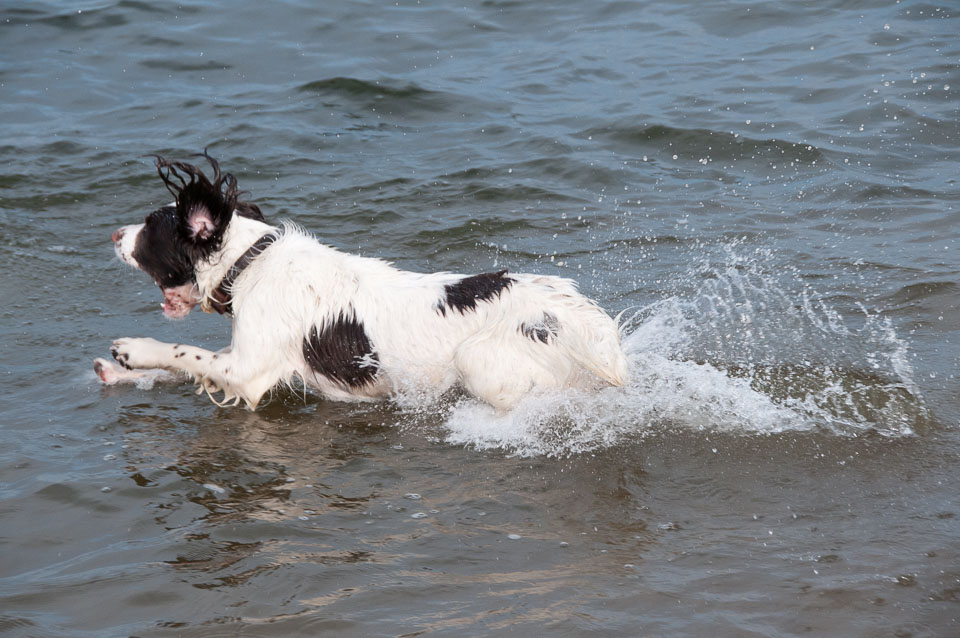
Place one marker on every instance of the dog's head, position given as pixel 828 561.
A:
pixel 173 239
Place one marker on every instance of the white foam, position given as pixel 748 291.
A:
pixel 741 355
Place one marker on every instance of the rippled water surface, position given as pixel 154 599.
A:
pixel 768 192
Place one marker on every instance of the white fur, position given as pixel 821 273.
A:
pixel 125 240
pixel 297 283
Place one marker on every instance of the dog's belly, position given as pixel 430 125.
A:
pixel 383 386
pixel 375 391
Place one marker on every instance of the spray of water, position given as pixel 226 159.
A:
pixel 740 354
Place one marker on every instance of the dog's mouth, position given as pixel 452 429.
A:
pixel 179 300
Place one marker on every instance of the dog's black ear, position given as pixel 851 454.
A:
pixel 204 208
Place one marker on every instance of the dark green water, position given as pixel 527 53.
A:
pixel 767 190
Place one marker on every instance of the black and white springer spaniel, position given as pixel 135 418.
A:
pixel 353 328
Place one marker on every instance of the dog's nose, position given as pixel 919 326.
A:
pixel 117 235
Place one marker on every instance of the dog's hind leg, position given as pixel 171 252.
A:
pixel 501 367
pixel 215 371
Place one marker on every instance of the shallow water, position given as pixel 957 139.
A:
pixel 767 192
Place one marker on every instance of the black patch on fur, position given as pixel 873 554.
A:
pixel 250 211
pixel 160 252
pixel 465 294
pixel 341 351
pixel 543 331
pixel 164 249
pixel 195 193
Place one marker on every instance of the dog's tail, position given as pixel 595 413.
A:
pixel 581 329
pixel 594 343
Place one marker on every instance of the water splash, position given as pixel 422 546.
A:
pixel 740 354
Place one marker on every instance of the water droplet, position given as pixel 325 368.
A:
pixel 514 537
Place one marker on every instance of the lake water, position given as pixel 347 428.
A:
pixel 767 190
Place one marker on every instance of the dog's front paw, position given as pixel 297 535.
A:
pixel 139 353
pixel 108 371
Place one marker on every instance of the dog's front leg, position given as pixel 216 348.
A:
pixel 137 354
pixel 215 371
pixel 111 373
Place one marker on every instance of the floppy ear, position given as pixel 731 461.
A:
pixel 200 223
pixel 204 208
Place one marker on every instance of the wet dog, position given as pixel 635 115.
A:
pixel 350 327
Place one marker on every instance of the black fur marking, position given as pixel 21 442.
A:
pixel 342 352
pixel 164 249
pixel 159 252
pixel 215 199
pixel 250 211
pixel 465 294
pixel 544 330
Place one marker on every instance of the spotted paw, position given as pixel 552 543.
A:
pixel 139 353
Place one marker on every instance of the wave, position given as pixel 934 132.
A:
pixel 706 144
pixel 363 89
pixel 405 101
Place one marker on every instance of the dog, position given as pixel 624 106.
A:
pixel 350 327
